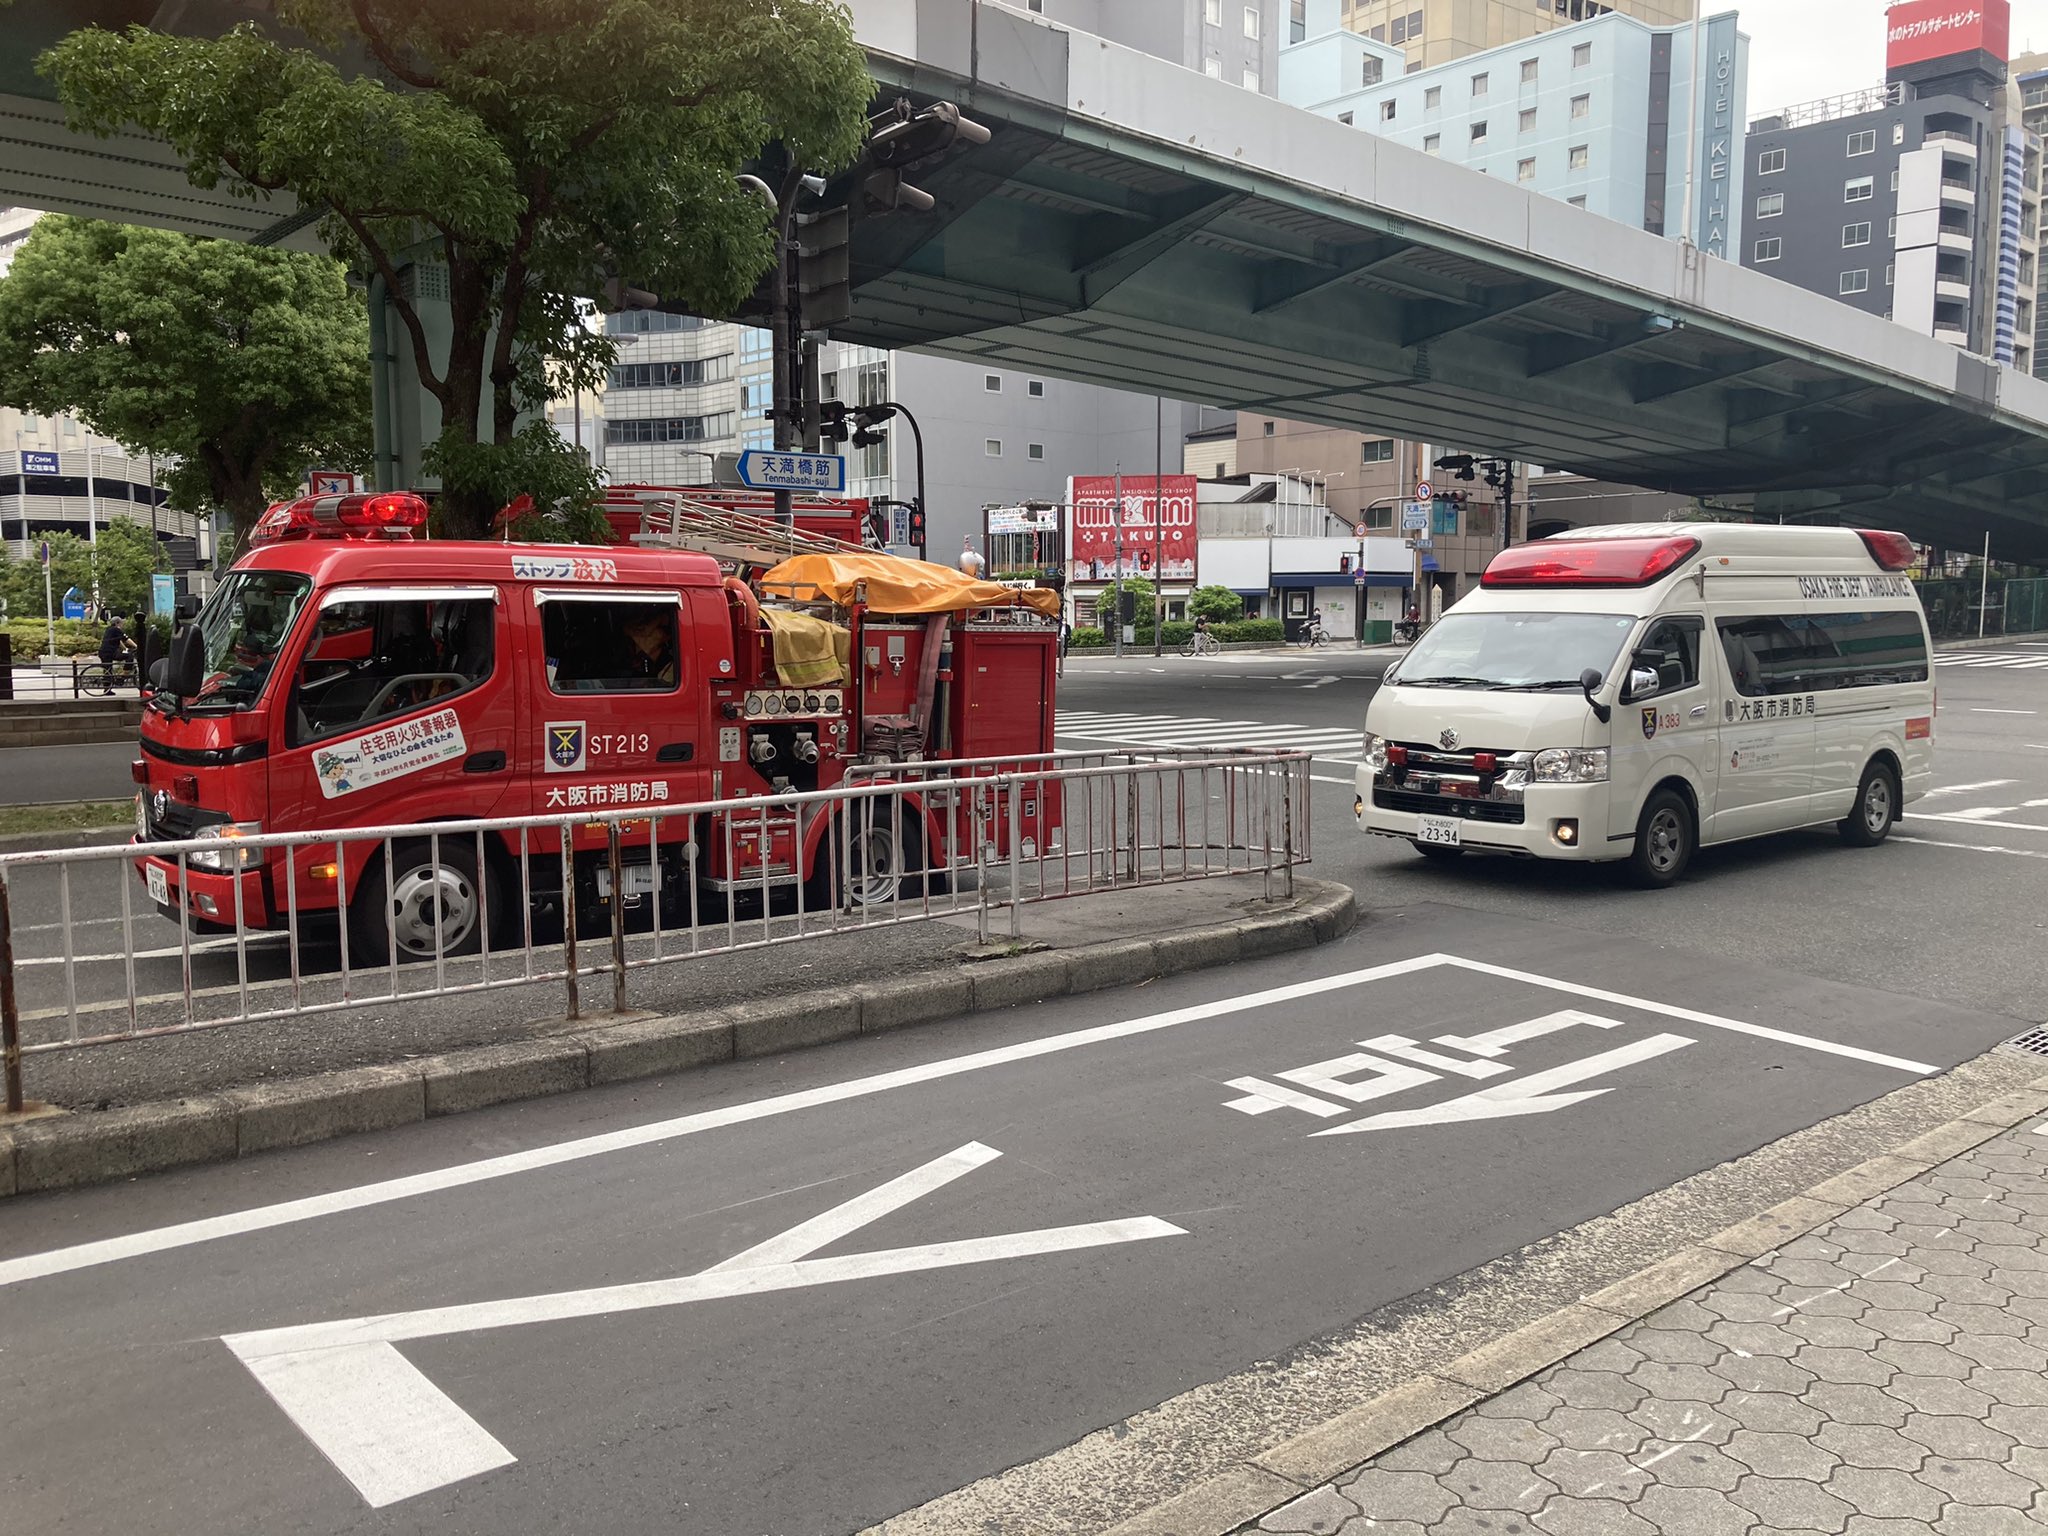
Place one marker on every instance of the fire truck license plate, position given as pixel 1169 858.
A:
pixel 159 887
pixel 1441 830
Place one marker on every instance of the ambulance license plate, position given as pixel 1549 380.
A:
pixel 159 886
pixel 1442 831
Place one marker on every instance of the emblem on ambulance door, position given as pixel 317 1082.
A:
pixel 565 746
pixel 1649 723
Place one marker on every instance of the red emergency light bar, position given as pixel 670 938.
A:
pixel 1893 551
pixel 1588 562
pixel 379 514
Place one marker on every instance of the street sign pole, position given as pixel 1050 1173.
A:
pixel 49 607
pixel 1117 570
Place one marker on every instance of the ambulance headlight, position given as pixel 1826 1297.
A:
pixel 1375 752
pixel 225 855
pixel 1570 765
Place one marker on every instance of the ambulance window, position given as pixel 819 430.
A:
pixel 1671 649
pixel 1867 650
pixel 615 646
pixel 1765 656
pixel 380 657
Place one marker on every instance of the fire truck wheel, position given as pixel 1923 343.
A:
pixel 422 896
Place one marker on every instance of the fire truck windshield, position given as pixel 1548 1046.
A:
pixel 244 626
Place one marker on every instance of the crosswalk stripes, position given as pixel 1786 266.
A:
pixel 2015 661
pixel 1328 743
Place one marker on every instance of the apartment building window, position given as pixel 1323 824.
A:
pixel 1864 143
pixel 1855 282
pixel 1250 80
pixel 1859 189
pixel 1433 144
pixel 756 398
pixel 1035 389
pixel 1344 118
pixel 992 447
pixel 1577 202
pixel 1371 70
pixel 670 429
pixel 1035 451
pixel 1582 55
pixel 1582 107
pixel 1770 162
pixel 1035 7
pixel 1526 121
pixel 1433 98
pixel 1895 181
pixel 1770 249
pixel 1269 429
pixel 1479 133
pixel 756 346
pixel 1386 111
pixel 1579 157
pixel 1213 68
pixel 1376 450
pixel 1855 234
pixel 1212 12
pixel 1251 22
pixel 1379 519
pixel 1770 205
pixel 686 374
pixel 1525 170
pixel 1478 86
pixel 1889 269
pixel 1528 71
pixel 1406 29
pixel 992 382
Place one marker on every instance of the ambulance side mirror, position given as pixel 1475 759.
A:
pixel 1642 682
pixel 1589 683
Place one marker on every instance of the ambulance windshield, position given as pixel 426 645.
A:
pixel 1513 652
pixel 244 626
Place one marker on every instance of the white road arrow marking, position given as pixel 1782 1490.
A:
pixel 394 1434
pixel 1529 1096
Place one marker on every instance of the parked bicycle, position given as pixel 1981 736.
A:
pixel 1201 643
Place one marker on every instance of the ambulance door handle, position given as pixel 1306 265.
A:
pixel 1699 711
pixel 484 762
pixel 676 752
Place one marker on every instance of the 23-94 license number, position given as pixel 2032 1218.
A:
pixel 1440 831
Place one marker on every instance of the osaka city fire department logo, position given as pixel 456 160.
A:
pixel 1649 724
pixel 1447 738
pixel 565 746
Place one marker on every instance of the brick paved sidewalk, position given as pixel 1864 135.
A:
pixel 1883 1376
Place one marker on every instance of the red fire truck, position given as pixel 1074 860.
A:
pixel 628 508
pixel 345 676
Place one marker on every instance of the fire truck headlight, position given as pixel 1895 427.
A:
pixel 226 856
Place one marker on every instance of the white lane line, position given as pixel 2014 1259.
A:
pixel 1933 842
pixel 199 947
pixel 848 1217
pixel 1958 789
pixel 1691 1016
pixel 1972 821
pixel 1975 710
pixel 57 1261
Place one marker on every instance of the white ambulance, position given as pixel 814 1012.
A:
pixel 1637 692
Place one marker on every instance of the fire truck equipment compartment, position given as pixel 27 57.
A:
pixel 810 652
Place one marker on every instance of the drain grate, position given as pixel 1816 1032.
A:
pixel 2034 1042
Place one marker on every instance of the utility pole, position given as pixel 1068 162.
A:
pixel 1159 525
pixel 1117 609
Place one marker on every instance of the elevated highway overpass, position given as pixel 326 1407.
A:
pixel 1136 224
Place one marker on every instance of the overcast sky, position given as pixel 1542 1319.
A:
pixel 1800 50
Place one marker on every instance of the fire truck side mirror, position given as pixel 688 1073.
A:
pixel 187 669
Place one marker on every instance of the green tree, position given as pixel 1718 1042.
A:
pixel 128 555
pixel 1219 605
pixel 243 366
pixel 1143 599
pixel 538 147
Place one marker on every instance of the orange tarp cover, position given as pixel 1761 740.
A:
pixel 897 586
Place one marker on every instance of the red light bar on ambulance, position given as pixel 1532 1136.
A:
pixel 1588 562
pixel 390 514
pixel 1893 551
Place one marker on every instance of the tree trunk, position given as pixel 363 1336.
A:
pixel 466 508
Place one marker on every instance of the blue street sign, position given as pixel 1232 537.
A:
pixel 74 603
pixel 1414 516
pixel 39 464
pixel 773 470
pixel 163 594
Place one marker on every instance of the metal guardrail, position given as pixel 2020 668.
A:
pixel 895 844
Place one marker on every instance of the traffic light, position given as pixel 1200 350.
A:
pixel 832 426
pixel 916 528
pixel 824 273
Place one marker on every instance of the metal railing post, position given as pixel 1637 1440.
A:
pixel 10 1015
pixel 1016 879
pixel 615 856
pixel 570 979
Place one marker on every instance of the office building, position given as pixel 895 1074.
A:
pixel 1433 32
pixel 1919 199
pixel 2029 77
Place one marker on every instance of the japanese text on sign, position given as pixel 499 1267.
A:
pixel 792 471
pixel 633 792
pixel 563 568
pixel 389 753
pixel 1145 534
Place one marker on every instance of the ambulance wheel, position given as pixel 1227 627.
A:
pixel 1877 802
pixel 424 902
pixel 1435 850
pixel 1665 839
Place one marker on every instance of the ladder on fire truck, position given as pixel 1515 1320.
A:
pixel 736 538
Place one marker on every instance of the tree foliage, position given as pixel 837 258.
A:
pixel 1219 605
pixel 543 145
pixel 128 556
pixel 243 366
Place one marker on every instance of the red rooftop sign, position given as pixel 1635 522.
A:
pixel 1919 30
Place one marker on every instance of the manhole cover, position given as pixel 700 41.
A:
pixel 2034 1042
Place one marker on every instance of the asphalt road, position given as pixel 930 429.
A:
pixel 57 775
pixel 800 1296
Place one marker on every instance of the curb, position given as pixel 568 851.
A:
pixel 70 837
pixel 1283 1472
pixel 93 1147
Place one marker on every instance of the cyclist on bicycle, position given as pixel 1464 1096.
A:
pixel 115 646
